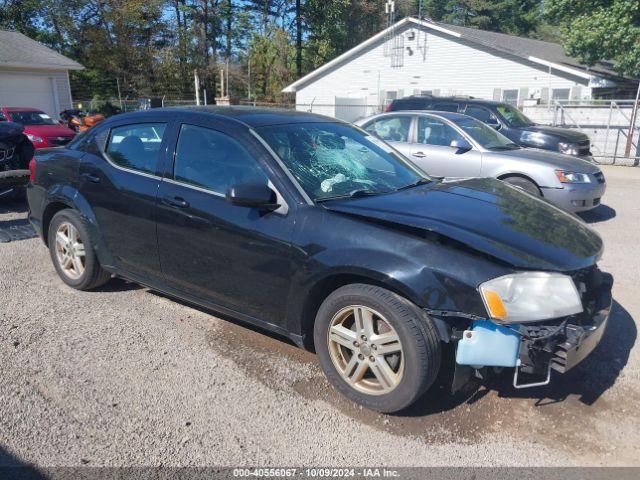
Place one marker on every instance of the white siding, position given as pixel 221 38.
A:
pixel 60 91
pixel 450 67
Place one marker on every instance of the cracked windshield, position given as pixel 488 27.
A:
pixel 332 160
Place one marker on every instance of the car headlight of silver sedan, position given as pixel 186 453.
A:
pixel 530 297
pixel 572 177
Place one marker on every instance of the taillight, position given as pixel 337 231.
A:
pixel 389 108
pixel 32 170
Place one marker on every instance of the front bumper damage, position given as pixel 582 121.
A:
pixel 558 344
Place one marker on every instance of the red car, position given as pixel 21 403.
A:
pixel 40 128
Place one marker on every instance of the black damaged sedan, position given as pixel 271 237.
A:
pixel 311 228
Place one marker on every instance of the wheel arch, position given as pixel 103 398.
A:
pixel 322 288
pixel 524 176
pixel 69 198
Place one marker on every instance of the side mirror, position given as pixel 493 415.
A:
pixel 461 145
pixel 255 195
pixel 493 123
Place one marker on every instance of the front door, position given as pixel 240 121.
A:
pixel 432 150
pixel 236 257
pixel 119 178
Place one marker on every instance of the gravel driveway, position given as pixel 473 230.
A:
pixel 125 376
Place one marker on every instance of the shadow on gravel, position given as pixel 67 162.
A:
pixel 118 285
pixel 15 469
pixel 602 213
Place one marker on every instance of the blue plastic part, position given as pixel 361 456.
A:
pixel 488 345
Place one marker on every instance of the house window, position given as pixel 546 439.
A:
pixel 392 95
pixel 510 96
pixel 426 93
pixel 560 94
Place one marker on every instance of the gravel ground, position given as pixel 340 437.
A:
pixel 126 377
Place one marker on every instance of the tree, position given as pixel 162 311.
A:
pixel 600 29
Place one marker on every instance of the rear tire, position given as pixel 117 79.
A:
pixel 72 252
pixel 523 184
pixel 386 366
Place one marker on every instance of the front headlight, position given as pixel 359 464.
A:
pixel 530 297
pixel 572 177
pixel 568 148
pixel 34 138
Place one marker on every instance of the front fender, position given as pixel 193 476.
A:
pixel 412 276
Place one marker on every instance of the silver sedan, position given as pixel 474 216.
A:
pixel 453 145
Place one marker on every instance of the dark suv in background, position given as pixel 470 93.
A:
pixel 511 122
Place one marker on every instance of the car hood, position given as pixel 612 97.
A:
pixel 49 130
pixel 563 134
pixel 490 217
pixel 556 160
pixel 10 132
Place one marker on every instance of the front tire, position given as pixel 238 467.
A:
pixel 72 252
pixel 376 347
pixel 524 184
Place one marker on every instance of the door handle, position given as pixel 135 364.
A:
pixel 91 177
pixel 419 154
pixel 175 202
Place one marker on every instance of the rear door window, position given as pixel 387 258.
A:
pixel 391 129
pixel 136 147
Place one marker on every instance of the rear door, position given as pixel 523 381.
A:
pixel 119 178
pixel 432 150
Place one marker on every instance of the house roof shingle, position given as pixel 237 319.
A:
pixel 528 49
pixel 18 50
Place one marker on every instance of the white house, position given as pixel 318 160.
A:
pixel 418 57
pixel 32 75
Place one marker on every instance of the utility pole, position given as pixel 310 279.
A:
pixel 119 95
pixel 298 38
pixel 196 81
pixel 228 93
pixel 632 125
pixel 249 85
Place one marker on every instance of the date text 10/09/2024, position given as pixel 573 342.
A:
pixel 315 472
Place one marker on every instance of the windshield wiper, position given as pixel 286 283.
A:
pixel 510 146
pixel 360 192
pixel 421 181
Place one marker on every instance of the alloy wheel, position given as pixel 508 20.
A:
pixel 366 350
pixel 70 251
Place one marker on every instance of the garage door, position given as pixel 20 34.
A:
pixel 27 91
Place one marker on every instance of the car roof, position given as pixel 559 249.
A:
pixel 478 101
pixel 453 116
pixel 249 116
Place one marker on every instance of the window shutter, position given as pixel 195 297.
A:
pixel 523 95
pixel 436 92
